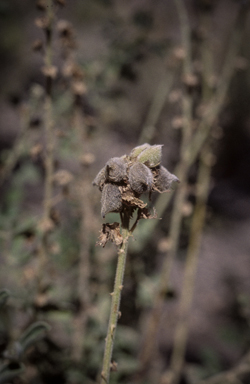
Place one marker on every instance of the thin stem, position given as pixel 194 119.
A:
pixel 181 333
pixel 115 305
pixel 202 132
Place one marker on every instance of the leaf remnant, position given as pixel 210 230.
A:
pixel 110 232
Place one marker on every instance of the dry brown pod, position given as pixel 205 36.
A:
pixel 100 178
pixel 140 178
pixel 164 180
pixel 111 200
pixel 116 169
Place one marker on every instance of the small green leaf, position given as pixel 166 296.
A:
pixel 151 156
pixel 9 371
pixel 137 150
pixel 34 333
pixel 4 295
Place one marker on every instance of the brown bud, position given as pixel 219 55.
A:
pixel 111 200
pixel 164 180
pixel 140 178
pixel 151 156
pixel 100 178
pixel 137 150
pixel 116 169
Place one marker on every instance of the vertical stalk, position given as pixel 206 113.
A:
pixel 49 137
pixel 115 305
pixel 181 333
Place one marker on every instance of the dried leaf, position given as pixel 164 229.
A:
pixel 116 169
pixel 164 180
pixel 140 178
pixel 151 156
pixel 111 200
pixel 100 178
pixel 110 232
pixel 129 198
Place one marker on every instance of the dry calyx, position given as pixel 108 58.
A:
pixel 124 179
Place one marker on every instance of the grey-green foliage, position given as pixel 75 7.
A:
pixel 10 370
pixel 123 179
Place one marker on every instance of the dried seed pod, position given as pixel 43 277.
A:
pixel 137 150
pixel 140 178
pixel 116 169
pixel 151 156
pixel 111 200
pixel 100 178
pixel 164 180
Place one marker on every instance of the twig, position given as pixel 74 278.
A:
pixel 149 348
pixel 115 305
pixel 181 332
pixel 212 111
pixel 49 140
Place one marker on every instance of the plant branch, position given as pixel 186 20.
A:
pixel 115 304
pixel 181 332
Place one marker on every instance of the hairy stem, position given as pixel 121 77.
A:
pixel 115 305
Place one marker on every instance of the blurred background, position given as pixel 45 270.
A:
pixel 86 80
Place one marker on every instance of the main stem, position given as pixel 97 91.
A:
pixel 115 305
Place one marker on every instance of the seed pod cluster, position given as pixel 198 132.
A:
pixel 132 175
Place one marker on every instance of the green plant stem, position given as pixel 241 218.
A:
pixel 115 305
pixel 181 333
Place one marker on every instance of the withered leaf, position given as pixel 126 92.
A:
pixel 129 198
pixel 116 169
pixel 110 232
pixel 164 180
pixel 140 178
pixel 100 178
pixel 111 200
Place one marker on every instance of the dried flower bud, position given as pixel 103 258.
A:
pixel 151 156
pixel 140 178
pixel 100 178
pixel 164 180
pixel 116 169
pixel 137 150
pixel 111 200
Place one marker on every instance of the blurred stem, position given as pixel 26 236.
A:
pixel 149 348
pixel 17 149
pixel 116 298
pixel 83 195
pixel 49 142
pixel 48 109
pixel 181 332
pixel 213 109
pixel 155 109
pixel 235 375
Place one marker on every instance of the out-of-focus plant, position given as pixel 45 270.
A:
pixel 122 181
pixel 11 359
